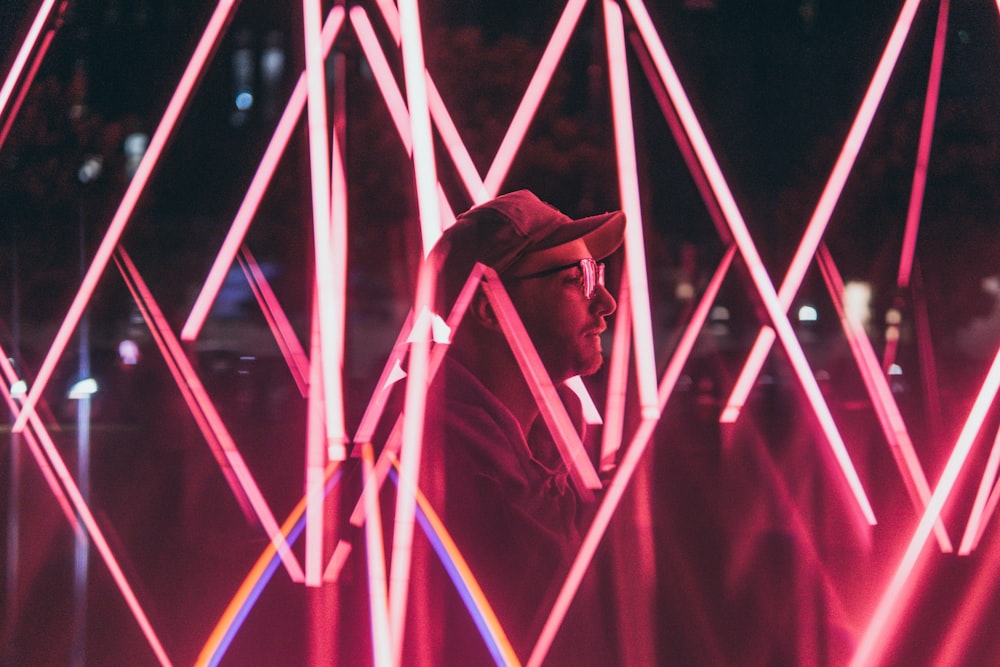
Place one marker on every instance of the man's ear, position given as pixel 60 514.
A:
pixel 482 310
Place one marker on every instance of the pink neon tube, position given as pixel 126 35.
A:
pixel 425 172
pixel 25 52
pixel 386 82
pixel 637 447
pixel 924 148
pixel 879 629
pixel 628 181
pixel 315 443
pixel 327 288
pixel 828 199
pixel 886 409
pixel 409 469
pixel 758 273
pixel 614 411
pixel 87 518
pixel 157 323
pixel 277 321
pixel 35 448
pixel 258 186
pixel 978 516
pixel 566 438
pixel 136 186
pixel 450 136
pixel 36 62
pixel 532 97
pixel 378 611
pixel 154 322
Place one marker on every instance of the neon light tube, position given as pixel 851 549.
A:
pixel 834 185
pixel 924 148
pixel 877 633
pixel 886 409
pixel 281 328
pixel 532 98
pixel 450 136
pixel 377 598
pixel 315 444
pixel 978 516
pixel 137 185
pixel 391 95
pixel 412 440
pixel 258 186
pixel 617 391
pixel 35 448
pixel 36 62
pixel 465 582
pixel 755 266
pixel 553 412
pixel 424 166
pixel 25 52
pixel 628 183
pixel 253 585
pixel 82 510
pixel 233 458
pixel 154 322
pixel 614 492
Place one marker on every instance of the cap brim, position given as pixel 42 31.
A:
pixel 602 233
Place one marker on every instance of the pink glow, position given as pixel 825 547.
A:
pixel 201 403
pixel 328 289
pixel 834 186
pixel 334 392
pixel 614 411
pixel 82 510
pixel 41 18
pixel 976 604
pixel 155 323
pixel 532 97
pixel 29 436
pixel 637 447
pixel 381 642
pixel 924 148
pixel 258 186
pixel 979 516
pixel 424 166
pixel 416 387
pixel 409 469
pixel 566 438
pixel 628 183
pixel 277 321
pixel 36 62
pixel 450 136
pixel 886 409
pixel 386 82
pixel 137 185
pixel 373 413
pixel 879 629
pixel 755 266
pixel 315 444
pixel 746 379
pixel 683 144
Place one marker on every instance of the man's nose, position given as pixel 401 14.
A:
pixel 602 302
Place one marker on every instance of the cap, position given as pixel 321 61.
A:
pixel 501 231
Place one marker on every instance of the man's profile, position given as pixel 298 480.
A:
pixel 491 468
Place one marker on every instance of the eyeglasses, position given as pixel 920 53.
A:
pixel 591 274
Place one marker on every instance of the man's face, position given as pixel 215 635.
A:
pixel 563 323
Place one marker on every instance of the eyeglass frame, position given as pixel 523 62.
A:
pixel 591 273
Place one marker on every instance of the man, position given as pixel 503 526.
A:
pixel 491 468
